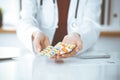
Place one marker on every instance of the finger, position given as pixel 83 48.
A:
pixel 54 57
pixel 58 56
pixel 70 54
pixel 79 46
pixel 65 39
pixel 37 48
pixel 47 42
pixel 65 56
pixel 68 40
pixel 36 44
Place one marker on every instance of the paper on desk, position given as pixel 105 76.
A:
pixel 94 55
pixel 9 52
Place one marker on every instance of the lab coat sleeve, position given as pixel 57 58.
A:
pixel 89 30
pixel 28 24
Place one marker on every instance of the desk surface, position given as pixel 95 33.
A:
pixel 31 67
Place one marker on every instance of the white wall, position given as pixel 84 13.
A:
pixel 112 16
pixel 10 10
pixel 115 20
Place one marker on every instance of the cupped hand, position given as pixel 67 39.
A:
pixel 75 39
pixel 40 41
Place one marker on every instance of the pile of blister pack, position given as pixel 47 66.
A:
pixel 59 48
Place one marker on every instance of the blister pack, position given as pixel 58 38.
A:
pixel 59 48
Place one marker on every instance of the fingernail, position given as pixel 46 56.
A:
pixel 63 55
pixel 39 49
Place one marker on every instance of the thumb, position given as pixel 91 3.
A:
pixel 79 46
pixel 37 48
pixel 47 42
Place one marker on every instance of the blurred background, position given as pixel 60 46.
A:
pixel 109 38
pixel 9 17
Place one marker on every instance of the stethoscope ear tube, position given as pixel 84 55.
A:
pixel 54 1
pixel 76 11
pixel 41 2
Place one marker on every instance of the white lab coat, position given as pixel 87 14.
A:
pixel 36 17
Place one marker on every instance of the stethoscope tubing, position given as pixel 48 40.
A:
pixel 77 6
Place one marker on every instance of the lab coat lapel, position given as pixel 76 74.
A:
pixel 71 12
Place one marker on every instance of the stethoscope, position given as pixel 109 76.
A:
pixel 75 23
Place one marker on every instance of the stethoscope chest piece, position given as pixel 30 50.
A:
pixel 75 24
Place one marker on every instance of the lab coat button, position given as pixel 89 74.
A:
pixel 57 26
pixel 74 25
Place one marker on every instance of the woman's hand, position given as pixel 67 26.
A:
pixel 73 38
pixel 40 41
